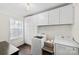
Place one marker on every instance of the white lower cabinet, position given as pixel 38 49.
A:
pixel 65 50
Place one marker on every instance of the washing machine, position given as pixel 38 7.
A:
pixel 37 44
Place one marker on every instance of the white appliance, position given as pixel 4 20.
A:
pixel 37 44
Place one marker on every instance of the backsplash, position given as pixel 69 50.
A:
pixel 51 31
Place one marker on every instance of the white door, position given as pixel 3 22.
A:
pixel 66 14
pixel 34 24
pixel 54 17
pixel 28 30
pixel 43 18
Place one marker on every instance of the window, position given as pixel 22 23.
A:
pixel 16 29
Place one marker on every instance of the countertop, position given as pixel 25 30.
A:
pixel 67 42
pixel 7 49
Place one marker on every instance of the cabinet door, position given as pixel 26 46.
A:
pixel 54 17
pixel 66 14
pixel 34 20
pixel 43 18
pixel 65 50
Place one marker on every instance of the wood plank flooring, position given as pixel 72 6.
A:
pixel 25 49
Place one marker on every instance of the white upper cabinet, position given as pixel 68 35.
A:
pixel 54 17
pixel 43 18
pixel 66 14
pixel 34 20
pixel 62 15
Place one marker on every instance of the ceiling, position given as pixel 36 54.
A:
pixel 21 9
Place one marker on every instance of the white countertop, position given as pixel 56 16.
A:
pixel 66 42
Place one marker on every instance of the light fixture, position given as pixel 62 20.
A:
pixel 27 5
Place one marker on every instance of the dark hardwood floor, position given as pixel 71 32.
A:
pixel 25 49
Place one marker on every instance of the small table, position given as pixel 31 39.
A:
pixel 8 49
pixel 47 51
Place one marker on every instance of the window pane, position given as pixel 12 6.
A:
pixel 16 29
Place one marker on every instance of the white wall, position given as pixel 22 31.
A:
pixel 4 27
pixel 51 31
pixel 4 30
pixel 75 30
